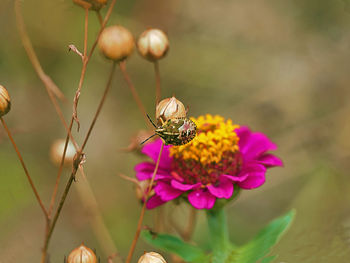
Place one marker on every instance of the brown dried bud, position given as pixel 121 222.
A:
pixel 91 4
pixel 151 257
pixel 153 44
pixel 56 152
pixel 116 43
pixel 142 189
pixel 82 254
pixel 169 108
pixel 5 101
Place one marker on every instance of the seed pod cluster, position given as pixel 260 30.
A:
pixel 82 254
pixel 117 43
pixel 151 257
pixel 5 101
pixel 153 44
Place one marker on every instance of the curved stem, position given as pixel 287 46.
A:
pixel 157 75
pixel 134 93
pixel 139 224
pixel 99 227
pixel 25 169
pixel 76 165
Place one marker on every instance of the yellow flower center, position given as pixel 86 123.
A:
pixel 215 138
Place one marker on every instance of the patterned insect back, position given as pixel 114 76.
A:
pixel 177 131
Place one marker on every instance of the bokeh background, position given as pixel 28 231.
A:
pixel 281 67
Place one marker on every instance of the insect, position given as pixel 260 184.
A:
pixel 175 131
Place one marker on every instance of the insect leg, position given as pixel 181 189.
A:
pixel 148 139
pixel 151 121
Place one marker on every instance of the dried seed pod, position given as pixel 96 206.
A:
pixel 57 149
pixel 153 44
pixel 168 109
pixel 82 254
pixel 5 101
pixel 116 43
pixel 151 257
pixel 141 190
pixel 91 4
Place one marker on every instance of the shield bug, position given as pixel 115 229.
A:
pixel 175 131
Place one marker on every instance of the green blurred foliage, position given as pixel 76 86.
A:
pixel 280 67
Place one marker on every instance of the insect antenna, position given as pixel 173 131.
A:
pixel 151 121
pixel 148 138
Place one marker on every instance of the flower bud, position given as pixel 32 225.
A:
pixel 153 44
pixel 57 149
pixel 169 108
pixel 82 254
pixel 91 4
pixel 116 43
pixel 151 257
pixel 5 101
pixel 142 189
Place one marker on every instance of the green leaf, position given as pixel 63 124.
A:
pixel 169 243
pixel 260 246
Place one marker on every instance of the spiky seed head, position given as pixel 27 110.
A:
pixel 153 44
pixel 151 257
pixel 169 108
pixel 5 101
pixel 116 43
pixel 82 254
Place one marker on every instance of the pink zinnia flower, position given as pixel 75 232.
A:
pixel 222 157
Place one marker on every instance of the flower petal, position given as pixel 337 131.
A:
pixel 154 201
pixel 252 145
pixel 255 176
pixel 236 178
pixel 270 160
pixel 224 188
pixel 184 187
pixel 152 150
pixel 145 171
pixel 166 192
pixel 201 199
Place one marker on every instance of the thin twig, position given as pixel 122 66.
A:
pixel 51 88
pixel 25 169
pixel 99 16
pixel 99 107
pixel 60 169
pixel 98 225
pixel 49 84
pixel 86 61
pixel 134 93
pixel 139 224
pixel 157 75
pixel 79 157
pixel 82 75
pixel 54 193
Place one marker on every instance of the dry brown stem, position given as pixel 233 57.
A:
pixel 122 66
pixel 79 158
pixel 143 210
pixel 25 169
pixel 157 75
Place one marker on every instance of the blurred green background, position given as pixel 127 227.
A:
pixel 281 67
